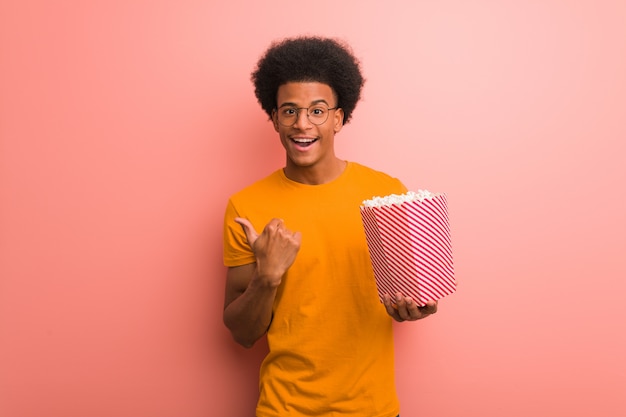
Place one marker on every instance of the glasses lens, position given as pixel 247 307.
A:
pixel 318 114
pixel 287 116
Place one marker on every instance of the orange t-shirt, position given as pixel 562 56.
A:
pixel 330 340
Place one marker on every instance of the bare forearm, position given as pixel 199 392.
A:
pixel 249 315
pixel 251 288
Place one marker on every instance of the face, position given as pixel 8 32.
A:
pixel 310 148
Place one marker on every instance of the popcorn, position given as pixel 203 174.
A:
pixel 408 238
pixel 419 195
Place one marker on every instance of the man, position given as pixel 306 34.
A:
pixel 306 279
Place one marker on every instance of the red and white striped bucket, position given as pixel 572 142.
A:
pixel 410 248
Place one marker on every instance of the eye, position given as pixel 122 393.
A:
pixel 289 111
pixel 317 111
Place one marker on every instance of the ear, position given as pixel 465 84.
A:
pixel 275 120
pixel 338 120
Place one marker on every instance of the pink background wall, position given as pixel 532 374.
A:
pixel 125 125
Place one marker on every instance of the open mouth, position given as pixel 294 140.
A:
pixel 304 142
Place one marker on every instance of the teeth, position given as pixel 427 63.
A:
pixel 303 140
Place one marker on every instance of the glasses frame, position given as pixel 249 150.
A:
pixel 308 116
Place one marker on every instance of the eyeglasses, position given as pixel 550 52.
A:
pixel 318 114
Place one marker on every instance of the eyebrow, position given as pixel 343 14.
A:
pixel 314 102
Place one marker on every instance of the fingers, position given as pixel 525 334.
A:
pixel 275 224
pixel 391 309
pixel 429 308
pixel 297 237
pixel 405 308
pixel 273 227
pixel 277 227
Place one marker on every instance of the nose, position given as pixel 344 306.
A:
pixel 302 120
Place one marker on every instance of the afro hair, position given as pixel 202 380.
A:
pixel 309 59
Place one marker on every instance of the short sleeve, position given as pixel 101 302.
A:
pixel 236 250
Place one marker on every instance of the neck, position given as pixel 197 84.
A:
pixel 315 175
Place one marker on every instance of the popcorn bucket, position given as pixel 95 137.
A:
pixel 408 238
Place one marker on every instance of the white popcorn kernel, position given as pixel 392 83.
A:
pixel 419 195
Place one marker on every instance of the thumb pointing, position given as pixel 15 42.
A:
pixel 248 229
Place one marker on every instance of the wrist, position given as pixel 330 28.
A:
pixel 266 281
